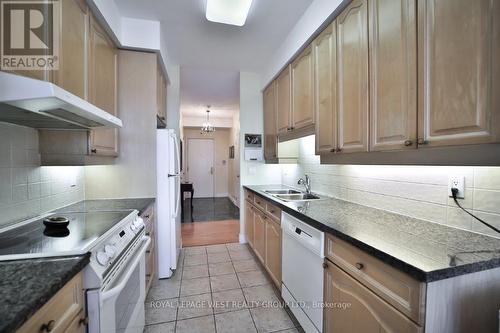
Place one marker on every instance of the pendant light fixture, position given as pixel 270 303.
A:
pixel 207 127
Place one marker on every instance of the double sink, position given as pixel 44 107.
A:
pixel 292 195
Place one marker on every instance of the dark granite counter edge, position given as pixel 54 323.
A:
pixel 151 201
pixel 30 309
pixel 388 259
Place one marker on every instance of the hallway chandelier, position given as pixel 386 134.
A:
pixel 207 127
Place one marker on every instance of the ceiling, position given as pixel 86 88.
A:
pixel 202 87
pixel 195 42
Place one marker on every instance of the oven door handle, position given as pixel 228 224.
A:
pixel 123 281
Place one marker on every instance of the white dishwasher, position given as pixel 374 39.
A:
pixel 302 260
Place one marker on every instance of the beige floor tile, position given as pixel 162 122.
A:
pixel 241 255
pixel 195 250
pixel 221 268
pixel 197 259
pixel 237 321
pixel 220 248
pixel 224 282
pixel 236 246
pixel 196 325
pixel 192 272
pixel 252 278
pixel 194 306
pixel 246 265
pixel 218 257
pixel 164 289
pixel 161 328
pixel 195 286
pixel 271 319
pixel 228 300
pixel 161 311
pixel 260 295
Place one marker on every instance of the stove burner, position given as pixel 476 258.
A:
pixel 56 222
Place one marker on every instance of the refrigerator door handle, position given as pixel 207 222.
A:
pixel 172 175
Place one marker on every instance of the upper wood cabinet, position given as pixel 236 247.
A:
pixel 459 48
pixel 325 89
pixel 352 77
pixel 393 74
pixel 283 102
pixel 161 94
pixel 302 90
pixel 103 75
pixel 72 73
pixel 270 136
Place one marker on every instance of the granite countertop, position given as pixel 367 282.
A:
pixel 425 250
pixel 141 204
pixel 26 285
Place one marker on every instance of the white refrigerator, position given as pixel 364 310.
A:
pixel 168 203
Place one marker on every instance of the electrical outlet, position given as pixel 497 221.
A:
pixel 457 182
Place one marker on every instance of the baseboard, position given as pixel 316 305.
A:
pixel 243 239
pixel 234 201
pixel 221 195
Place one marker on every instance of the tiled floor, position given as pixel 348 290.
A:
pixel 217 288
pixel 210 209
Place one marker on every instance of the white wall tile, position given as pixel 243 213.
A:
pixel 23 182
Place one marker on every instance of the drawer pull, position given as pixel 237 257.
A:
pixel 147 216
pixel 48 327
pixel 84 321
pixel 359 266
pixel 325 265
pixel 272 211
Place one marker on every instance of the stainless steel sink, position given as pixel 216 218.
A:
pixel 297 197
pixel 273 192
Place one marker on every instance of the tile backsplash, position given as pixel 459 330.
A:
pixel 417 191
pixel 26 188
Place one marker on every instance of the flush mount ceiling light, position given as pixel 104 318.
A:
pixel 232 12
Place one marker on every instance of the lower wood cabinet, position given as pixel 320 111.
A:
pixel 357 309
pixel 260 235
pixel 64 312
pixel 263 232
pixel 151 253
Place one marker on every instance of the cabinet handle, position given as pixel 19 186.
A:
pixel 325 265
pixel 333 150
pixel 359 266
pixel 422 142
pixel 338 150
pixel 93 151
pixel 272 211
pixel 48 327
pixel 408 143
pixel 84 321
pixel 147 216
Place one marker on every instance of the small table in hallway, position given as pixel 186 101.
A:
pixel 186 187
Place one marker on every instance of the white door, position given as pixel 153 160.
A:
pixel 201 168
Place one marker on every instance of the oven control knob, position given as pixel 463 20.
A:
pixel 102 258
pixel 110 250
pixel 138 223
pixel 133 227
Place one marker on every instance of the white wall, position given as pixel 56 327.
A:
pixel 174 100
pixel 251 121
pixel 417 191
pixel 234 164
pixel 26 189
pixel 315 15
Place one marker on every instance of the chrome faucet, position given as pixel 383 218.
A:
pixel 306 183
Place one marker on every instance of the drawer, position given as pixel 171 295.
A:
pixel 249 195
pixel 60 310
pixel 397 288
pixel 78 324
pixel 259 202
pixel 273 210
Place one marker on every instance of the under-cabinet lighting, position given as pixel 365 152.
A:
pixel 232 12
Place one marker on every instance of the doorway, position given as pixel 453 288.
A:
pixel 200 169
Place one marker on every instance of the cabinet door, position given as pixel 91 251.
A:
pixel 352 77
pixel 273 250
pixel 72 73
pixel 260 235
pixel 270 137
pixel 102 87
pixel 459 48
pixel 249 223
pixel 302 90
pixel 324 54
pixel 78 324
pixel 283 102
pixel 364 311
pixel 393 75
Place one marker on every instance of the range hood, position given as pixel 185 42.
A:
pixel 43 105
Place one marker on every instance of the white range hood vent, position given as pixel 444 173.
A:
pixel 43 105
